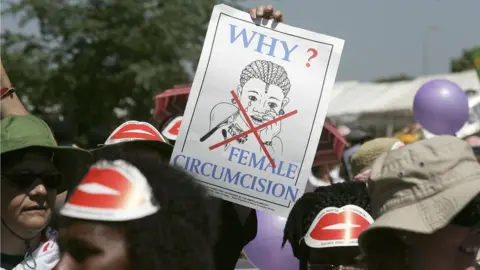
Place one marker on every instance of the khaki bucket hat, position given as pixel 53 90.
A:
pixel 22 131
pixel 421 187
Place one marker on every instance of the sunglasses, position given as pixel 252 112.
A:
pixel 469 216
pixel 25 180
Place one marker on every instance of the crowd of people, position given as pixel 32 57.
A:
pixel 421 201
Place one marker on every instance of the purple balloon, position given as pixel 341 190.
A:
pixel 265 251
pixel 441 107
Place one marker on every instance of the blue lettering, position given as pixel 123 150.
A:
pixel 261 184
pixel 247 40
pixel 187 163
pixel 287 51
pixel 175 159
pixel 243 156
pixel 275 189
pixel 269 166
pixel 233 152
pixel 261 43
pixel 268 188
pixel 243 178
pixel 293 196
pixel 203 168
pixel 214 172
pixel 229 178
pixel 247 181
pixel 257 164
pixel 292 171
pixel 254 181
pixel 243 33
pixel 194 166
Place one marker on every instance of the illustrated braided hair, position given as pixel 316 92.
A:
pixel 268 72
pixel 306 209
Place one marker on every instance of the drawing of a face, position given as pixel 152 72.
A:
pixel 259 99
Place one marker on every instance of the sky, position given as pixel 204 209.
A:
pixel 382 37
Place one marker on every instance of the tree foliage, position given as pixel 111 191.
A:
pixel 94 58
pixel 464 62
pixel 394 78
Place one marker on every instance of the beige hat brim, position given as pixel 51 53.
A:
pixel 428 215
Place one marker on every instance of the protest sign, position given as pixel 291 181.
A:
pixel 256 109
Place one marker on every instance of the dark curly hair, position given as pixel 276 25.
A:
pixel 306 209
pixel 181 235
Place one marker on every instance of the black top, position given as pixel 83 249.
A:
pixel 8 262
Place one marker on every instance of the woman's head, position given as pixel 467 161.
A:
pixel 28 185
pixel 304 213
pixel 177 236
pixel 263 88
pixel 424 199
pixel 33 170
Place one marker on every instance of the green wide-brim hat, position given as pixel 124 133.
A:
pixel 19 132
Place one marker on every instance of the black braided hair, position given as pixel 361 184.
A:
pixel 268 72
pixel 306 209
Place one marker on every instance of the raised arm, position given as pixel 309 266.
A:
pixel 10 103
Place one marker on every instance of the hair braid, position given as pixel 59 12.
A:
pixel 268 72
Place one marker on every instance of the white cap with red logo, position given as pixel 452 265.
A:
pixel 338 227
pixel 172 129
pixel 111 191
pixel 137 132
pixel 134 131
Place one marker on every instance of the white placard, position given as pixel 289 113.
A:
pixel 251 73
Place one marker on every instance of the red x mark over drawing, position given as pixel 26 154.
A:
pixel 253 129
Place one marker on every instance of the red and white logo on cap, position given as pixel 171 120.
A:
pixel 338 227
pixel 111 191
pixel 173 128
pixel 134 130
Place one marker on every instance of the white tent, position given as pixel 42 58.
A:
pixel 357 98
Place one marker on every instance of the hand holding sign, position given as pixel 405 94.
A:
pixel 266 12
